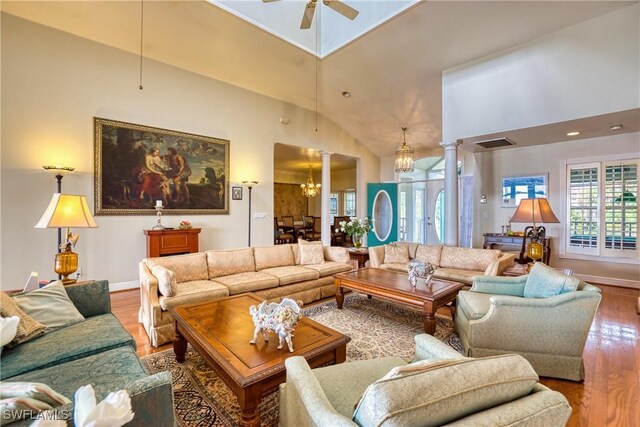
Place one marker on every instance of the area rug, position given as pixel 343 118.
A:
pixel 377 329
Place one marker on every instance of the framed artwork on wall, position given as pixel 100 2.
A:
pixel 236 193
pixel 516 188
pixel 136 165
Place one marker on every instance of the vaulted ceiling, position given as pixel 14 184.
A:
pixel 393 72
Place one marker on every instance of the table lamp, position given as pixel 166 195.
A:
pixel 66 211
pixel 534 211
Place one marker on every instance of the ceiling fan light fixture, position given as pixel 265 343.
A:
pixel 310 189
pixel 404 155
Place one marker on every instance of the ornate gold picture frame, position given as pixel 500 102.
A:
pixel 136 165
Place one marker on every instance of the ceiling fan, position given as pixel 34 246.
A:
pixel 310 9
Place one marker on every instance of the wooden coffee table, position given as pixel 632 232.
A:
pixel 395 287
pixel 220 331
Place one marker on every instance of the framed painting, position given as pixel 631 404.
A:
pixel 236 193
pixel 516 188
pixel 135 166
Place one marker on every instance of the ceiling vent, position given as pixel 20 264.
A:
pixel 496 143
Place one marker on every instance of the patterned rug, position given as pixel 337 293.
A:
pixel 376 328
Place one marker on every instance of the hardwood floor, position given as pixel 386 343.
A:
pixel 610 394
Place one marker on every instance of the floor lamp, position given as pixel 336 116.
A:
pixel 249 185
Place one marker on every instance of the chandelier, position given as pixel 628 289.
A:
pixel 310 189
pixel 404 155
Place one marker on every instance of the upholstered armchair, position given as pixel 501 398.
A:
pixel 440 387
pixel 544 316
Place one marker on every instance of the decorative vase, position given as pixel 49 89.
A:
pixel 356 238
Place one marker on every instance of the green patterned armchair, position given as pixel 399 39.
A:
pixel 544 316
pixel 440 387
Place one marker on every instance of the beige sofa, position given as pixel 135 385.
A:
pixel 450 262
pixel 271 272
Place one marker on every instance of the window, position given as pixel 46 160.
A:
pixel 602 209
pixel 333 206
pixel 438 217
pixel 350 203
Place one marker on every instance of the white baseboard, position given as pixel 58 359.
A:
pixel 121 286
pixel 623 283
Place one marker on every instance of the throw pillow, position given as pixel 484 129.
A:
pixel 544 281
pixel 38 391
pixel 8 330
pixel 167 282
pixel 50 306
pixel 28 327
pixel 396 253
pixel 445 391
pixel 310 252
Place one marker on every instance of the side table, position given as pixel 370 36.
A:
pixel 521 270
pixel 360 256
pixel 171 242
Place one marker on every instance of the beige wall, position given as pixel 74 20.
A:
pixel 54 83
pixel 490 167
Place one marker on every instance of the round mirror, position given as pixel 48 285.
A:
pixel 382 215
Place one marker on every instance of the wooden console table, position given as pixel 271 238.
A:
pixel 505 242
pixel 171 242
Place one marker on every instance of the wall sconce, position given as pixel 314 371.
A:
pixel 483 199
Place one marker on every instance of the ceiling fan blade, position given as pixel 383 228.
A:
pixel 307 18
pixel 343 9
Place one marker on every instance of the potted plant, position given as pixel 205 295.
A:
pixel 185 225
pixel 356 228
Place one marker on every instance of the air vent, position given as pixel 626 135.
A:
pixel 496 143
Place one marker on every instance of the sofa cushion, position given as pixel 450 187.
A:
pixel 446 393
pixel 106 372
pixel 468 258
pixel 292 274
pixel 345 383
pixel 248 282
pixel 296 252
pixel 28 327
pixel 50 306
pixel 395 266
pixel 91 336
pixel 329 267
pixel 186 267
pixel 226 263
pixel 193 292
pixel 430 254
pixel 167 282
pixel 273 256
pixel 474 304
pixel 544 281
pixel 457 274
pixel 396 253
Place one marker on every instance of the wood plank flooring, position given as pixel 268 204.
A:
pixel 610 394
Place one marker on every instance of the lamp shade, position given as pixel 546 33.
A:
pixel 67 210
pixel 534 211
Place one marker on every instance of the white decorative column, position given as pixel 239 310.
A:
pixel 326 195
pixel 450 192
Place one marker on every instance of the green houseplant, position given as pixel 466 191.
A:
pixel 356 228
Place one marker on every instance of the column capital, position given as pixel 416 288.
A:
pixel 325 153
pixel 451 145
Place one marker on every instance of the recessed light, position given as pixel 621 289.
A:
pixel 574 133
pixel 615 127
pixel 346 94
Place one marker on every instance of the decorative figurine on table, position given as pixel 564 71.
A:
pixel 185 225
pixel 420 269
pixel 279 318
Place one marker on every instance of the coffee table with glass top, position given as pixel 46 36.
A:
pixel 220 332
pixel 395 287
